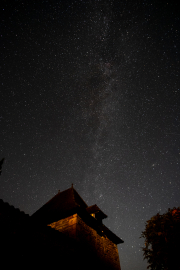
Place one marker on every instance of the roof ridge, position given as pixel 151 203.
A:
pixel 73 195
pixel 79 196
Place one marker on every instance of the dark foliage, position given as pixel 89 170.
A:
pixel 1 163
pixel 162 240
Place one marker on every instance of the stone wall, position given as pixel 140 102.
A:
pixel 97 247
pixel 67 226
pixel 106 250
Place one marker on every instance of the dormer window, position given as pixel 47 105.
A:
pixel 96 213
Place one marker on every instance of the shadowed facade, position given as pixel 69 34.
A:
pixel 67 213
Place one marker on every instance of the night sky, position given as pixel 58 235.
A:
pixel 90 95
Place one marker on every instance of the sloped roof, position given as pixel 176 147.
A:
pixel 67 203
pixel 10 212
pixel 112 236
pixel 60 206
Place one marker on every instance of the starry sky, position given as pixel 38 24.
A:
pixel 90 95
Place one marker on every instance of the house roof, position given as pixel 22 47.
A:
pixel 60 206
pixel 112 236
pixel 69 202
pixel 10 212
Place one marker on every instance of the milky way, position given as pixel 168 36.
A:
pixel 90 96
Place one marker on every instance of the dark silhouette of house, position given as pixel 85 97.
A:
pixel 63 233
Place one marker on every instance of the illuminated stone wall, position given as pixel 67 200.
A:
pixel 98 248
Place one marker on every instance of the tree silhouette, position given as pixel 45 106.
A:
pixel 1 163
pixel 162 240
